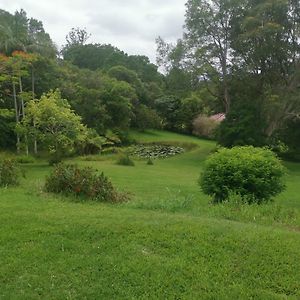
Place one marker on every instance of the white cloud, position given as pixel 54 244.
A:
pixel 131 25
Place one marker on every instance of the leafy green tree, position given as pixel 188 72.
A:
pixel 190 107
pixel 17 32
pixel 53 124
pixel 266 43
pixel 39 41
pixel 168 108
pixel 121 73
pixel 77 36
pixel 118 98
pixel 146 118
pixel 208 26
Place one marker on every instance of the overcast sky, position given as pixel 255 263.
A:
pixel 131 25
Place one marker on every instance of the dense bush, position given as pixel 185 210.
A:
pixel 84 182
pixel 55 158
pixel 254 173
pixel 9 172
pixel 125 160
pixel 150 162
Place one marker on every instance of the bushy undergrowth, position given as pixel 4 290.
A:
pixel 25 159
pixel 253 173
pixel 55 158
pixel 176 201
pixel 9 172
pixel 237 209
pixel 18 158
pixel 95 157
pixel 84 182
pixel 150 162
pixel 111 150
pixel 125 160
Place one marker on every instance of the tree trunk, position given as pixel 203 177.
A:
pixel 35 148
pixel 17 114
pixel 35 145
pixel 23 113
pixel 22 100
pixel 226 97
pixel 32 83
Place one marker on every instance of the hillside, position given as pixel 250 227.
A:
pixel 168 242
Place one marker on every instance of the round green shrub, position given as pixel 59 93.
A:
pixel 253 173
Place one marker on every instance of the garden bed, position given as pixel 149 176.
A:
pixel 156 150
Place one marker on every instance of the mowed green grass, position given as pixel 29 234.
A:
pixel 168 242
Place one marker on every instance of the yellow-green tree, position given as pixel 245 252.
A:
pixel 51 121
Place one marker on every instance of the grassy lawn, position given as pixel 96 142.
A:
pixel 168 242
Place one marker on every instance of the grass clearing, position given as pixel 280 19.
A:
pixel 168 242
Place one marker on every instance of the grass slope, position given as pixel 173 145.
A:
pixel 167 243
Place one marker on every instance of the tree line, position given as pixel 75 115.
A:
pixel 247 54
pixel 237 57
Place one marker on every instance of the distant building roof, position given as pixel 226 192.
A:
pixel 218 117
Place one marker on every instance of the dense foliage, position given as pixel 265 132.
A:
pixel 83 182
pixel 245 54
pixel 253 173
pixel 50 121
pixel 236 57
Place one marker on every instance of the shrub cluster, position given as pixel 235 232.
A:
pixel 125 160
pixel 85 182
pixel 9 172
pixel 55 158
pixel 253 173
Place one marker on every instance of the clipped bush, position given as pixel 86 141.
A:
pixel 125 160
pixel 253 173
pixel 84 182
pixel 9 172
pixel 150 162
